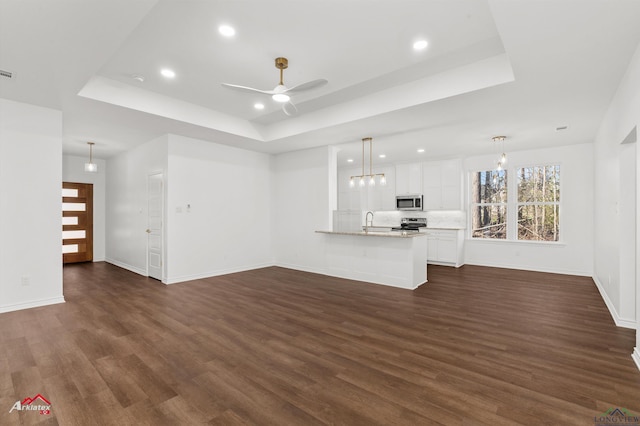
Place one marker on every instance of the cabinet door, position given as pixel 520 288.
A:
pixel 432 185
pixel 451 172
pixel 432 248
pixel 447 247
pixel 343 179
pixel 432 174
pixel 374 198
pixel 451 185
pixel 387 193
pixel 451 198
pixel 442 185
pixel 432 198
pixel 415 178
pixel 409 178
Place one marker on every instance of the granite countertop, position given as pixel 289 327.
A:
pixel 388 234
pixel 437 228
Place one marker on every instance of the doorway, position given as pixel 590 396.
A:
pixel 77 222
pixel 155 195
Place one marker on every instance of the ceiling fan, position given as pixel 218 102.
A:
pixel 281 93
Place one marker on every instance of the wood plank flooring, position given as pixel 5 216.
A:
pixel 280 347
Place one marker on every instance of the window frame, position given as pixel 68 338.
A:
pixel 471 206
pixel 517 203
pixel 512 205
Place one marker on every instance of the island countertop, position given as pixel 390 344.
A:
pixel 393 258
pixel 387 234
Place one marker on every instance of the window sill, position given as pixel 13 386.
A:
pixel 517 242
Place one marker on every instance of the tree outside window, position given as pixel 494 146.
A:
pixel 539 203
pixel 489 204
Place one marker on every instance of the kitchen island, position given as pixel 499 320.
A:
pixel 397 259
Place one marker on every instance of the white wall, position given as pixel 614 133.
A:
pixel 627 224
pixel 218 209
pixel 126 203
pixel 73 171
pixel 304 197
pixel 612 229
pixel 574 253
pixel 30 209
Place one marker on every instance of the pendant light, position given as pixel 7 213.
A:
pixel 91 167
pixel 503 157
pixel 371 177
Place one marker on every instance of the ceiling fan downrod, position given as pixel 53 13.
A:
pixel 282 64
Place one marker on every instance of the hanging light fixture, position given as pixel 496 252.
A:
pixel 91 167
pixel 371 176
pixel 503 157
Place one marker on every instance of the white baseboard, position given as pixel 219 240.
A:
pixel 127 267
pixel 620 322
pixel 218 272
pixel 300 268
pixel 533 269
pixel 31 304
pixel 636 356
pixel 328 273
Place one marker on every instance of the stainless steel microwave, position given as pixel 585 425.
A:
pixel 409 202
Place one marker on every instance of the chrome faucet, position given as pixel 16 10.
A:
pixel 366 221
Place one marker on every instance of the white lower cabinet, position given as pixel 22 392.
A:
pixel 445 247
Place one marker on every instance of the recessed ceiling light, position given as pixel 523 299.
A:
pixel 420 150
pixel 420 45
pixel 382 155
pixel 226 30
pixel 166 72
pixel 258 106
pixel 350 160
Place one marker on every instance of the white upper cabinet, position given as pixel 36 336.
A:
pixel 348 198
pixel 382 197
pixel 408 178
pixel 442 185
pixel 374 198
pixel 439 181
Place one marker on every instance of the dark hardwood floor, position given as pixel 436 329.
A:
pixel 279 347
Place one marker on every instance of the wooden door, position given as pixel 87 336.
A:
pixel 77 222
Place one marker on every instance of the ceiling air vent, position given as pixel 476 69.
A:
pixel 6 74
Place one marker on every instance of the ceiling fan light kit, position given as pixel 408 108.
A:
pixel 281 93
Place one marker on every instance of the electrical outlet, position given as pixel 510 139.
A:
pixel 25 281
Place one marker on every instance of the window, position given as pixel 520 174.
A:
pixel 538 203
pixel 527 211
pixel 489 204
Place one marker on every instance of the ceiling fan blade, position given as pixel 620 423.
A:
pixel 248 89
pixel 290 109
pixel 307 86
